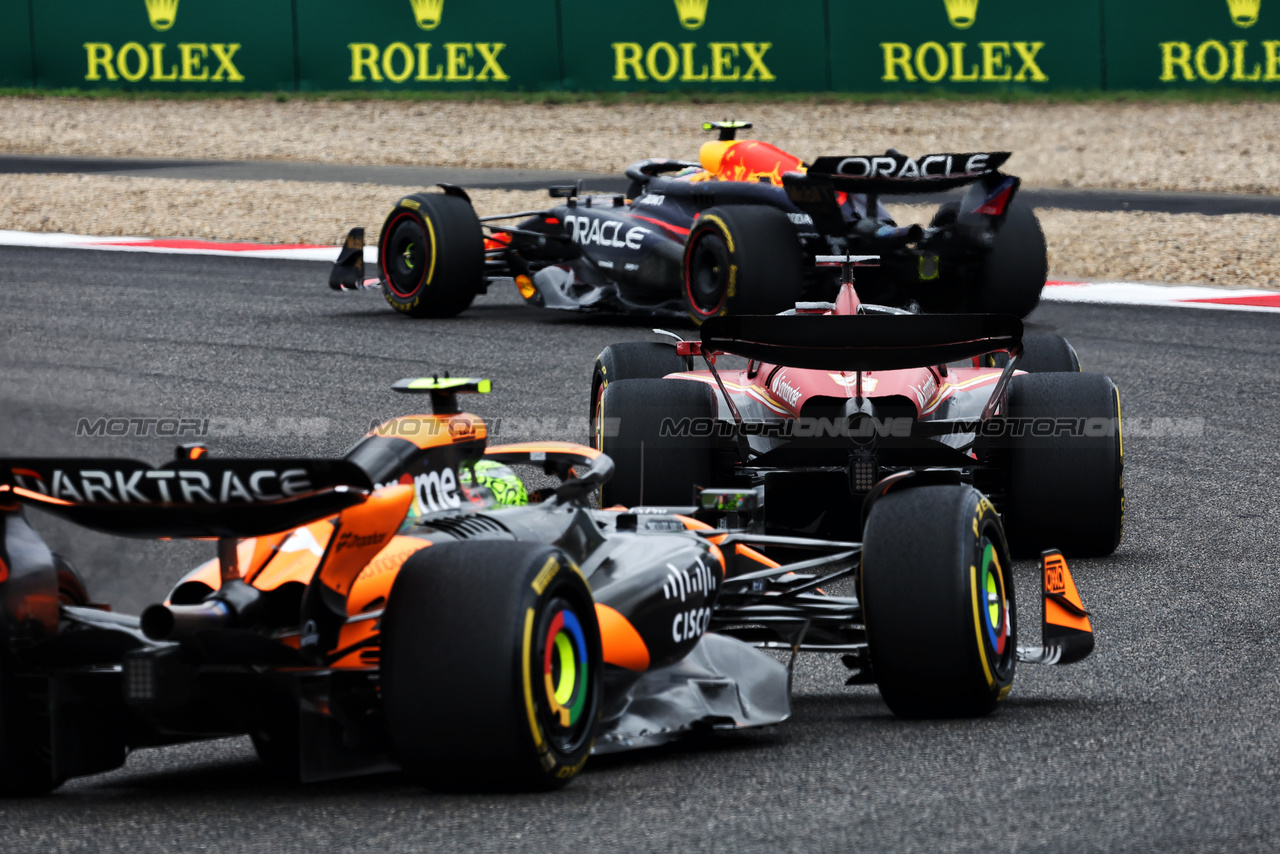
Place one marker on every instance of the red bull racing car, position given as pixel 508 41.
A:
pixel 836 397
pixel 734 233
pixel 389 610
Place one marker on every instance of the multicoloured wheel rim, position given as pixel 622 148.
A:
pixel 566 669
pixel 995 616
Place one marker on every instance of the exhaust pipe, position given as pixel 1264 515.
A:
pixel 177 622
pixel 232 605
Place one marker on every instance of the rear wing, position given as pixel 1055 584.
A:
pixel 895 173
pixel 861 342
pixel 205 497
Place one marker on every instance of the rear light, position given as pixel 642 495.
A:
pixel 864 471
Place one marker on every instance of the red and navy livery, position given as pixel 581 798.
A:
pixel 735 232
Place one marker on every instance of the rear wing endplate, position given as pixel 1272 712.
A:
pixel 861 342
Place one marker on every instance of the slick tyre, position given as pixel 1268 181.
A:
pixel 431 255
pixel 1043 354
pixel 1066 491
pixel 26 755
pixel 655 465
pixel 1015 268
pixel 491 666
pixel 742 259
pixel 939 609
pixel 1048 354
pixel 632 361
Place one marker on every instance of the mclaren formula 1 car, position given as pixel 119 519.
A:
pixel 734 233
pixel 370 613
pixel 837 396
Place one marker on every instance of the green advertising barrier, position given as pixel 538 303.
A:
pixel 1181 44
pixel 428 44
pixel 978 46
pixel 164 44
pixel 15 43
pixel 705 45
pixel 965 45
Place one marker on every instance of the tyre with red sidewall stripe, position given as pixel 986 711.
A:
pixel 938 602
pixel 491 666
pixel 431 255
pixel 741 259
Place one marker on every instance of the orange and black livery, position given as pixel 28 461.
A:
pixel 374 612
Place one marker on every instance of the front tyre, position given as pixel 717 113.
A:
pixel 431 255
pixel 939 609
pixel 491 666
pixel 742 259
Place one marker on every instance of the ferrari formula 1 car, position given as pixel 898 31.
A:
pixel 369 613
pixel 837 396
pixel 735 233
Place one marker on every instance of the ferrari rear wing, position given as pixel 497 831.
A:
pixel 861 342
pixel 189 498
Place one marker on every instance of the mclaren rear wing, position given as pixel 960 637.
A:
pixel 861 342
pixel 189 498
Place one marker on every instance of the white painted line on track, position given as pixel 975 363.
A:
pixel 1104 293
pixel 1186 296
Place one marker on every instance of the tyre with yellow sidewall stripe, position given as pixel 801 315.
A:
pixel 938 602
pixel 431 255
pixel 491 666
pixel 741 259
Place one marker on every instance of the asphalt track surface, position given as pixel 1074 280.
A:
pixel 1214 204
pixel 1167 739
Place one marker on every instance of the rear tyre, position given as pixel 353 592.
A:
pixel 1015 267
pixel 940 611
pixel 1066 492
pixel 742 259
pixel 491 666
pixel 632 361
pixel 1043 354
pixel 1048 354
pixel 26 757
pixel 650 467
pixel 431 255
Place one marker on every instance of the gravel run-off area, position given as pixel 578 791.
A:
pixel 1228 147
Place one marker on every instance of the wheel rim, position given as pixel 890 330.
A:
pixel 407 255
pixel 564 659
pixel 707 276
pixel 996 611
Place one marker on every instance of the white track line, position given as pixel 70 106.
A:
pixel 1105 293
